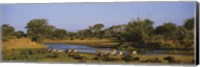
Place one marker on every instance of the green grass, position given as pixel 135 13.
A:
pixel 24 50
pixel 41 55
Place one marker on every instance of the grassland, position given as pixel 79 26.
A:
pixel 41 55
pixel 22 43
pixel 24 50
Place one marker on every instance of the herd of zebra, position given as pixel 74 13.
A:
pixel 62 51
pixel 113 55
pixel 112 52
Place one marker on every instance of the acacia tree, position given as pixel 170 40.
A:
pixel 166 29
pixel 96 30
pixel 114 31
pixel 7 31
pixel 85 33
pixel 137 32
pixel 59 33
pixel 19 34
pixel 169 35
pixel 189 24
pixel 185 34
pixel 98 27
pixel 38 29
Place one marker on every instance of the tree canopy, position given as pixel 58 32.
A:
pixel 38 29
pixel 138 33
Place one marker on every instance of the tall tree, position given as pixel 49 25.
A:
pixel 137 32
pixel 19 34
pixel 166 29
pixel 7 30
pixel 96 29
pixel 38 29
pixel 189 23
pixel 59 33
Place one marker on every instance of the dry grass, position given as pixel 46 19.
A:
pixel 88 58
pixel 85 40
pixel 89 42
pixel 21 43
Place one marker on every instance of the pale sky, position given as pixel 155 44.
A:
pixel 77 16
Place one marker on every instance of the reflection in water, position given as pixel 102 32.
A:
pixel 79 48
pixel 88 49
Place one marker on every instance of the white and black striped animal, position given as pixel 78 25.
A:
pixel 120 53
pixel 113 52
pixel 70 51
pixel 55 50
pixel 134 52
pixel 60 51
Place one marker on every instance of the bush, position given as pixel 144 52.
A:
pixel 75 56
pixel 153 60
pixel 7 38
pixel 113 58
pixel 170 59
pixel 131 58
pixel 82 39
pixel 23 55
pixel 71 38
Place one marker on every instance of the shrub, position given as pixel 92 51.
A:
pixel 169 59
pixel 152 60
pixel 131 58
pixel 71 38
pixel 113 58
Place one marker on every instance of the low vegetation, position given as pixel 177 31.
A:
pixel 100 43
pixel 42 55
pixel 137 35
pixel 22 43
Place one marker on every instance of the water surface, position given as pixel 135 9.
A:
pixel 88 49
pixel 79 48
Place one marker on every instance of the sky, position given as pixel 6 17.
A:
pixel 77 16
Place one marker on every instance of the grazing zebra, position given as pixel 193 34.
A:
pixel 70 51
pixel 101 53
pixel 113 52
pixel 49 50
pixel 74 51
pixel 120 53
pixel 60 51
pixel 54 50
pixel 134 52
